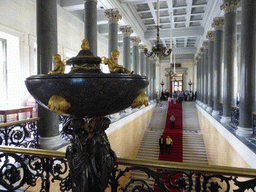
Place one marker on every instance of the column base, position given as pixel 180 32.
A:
pixel 115 116
pixel 204 106
pixel 244 131
pixel 128 110
pixel 209 109
pixel 50 142
pixel 225 119
pixel 215 113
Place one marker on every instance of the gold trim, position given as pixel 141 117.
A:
pixel 84 66
pixel 18 122
pixel 194 167
pixel 35 152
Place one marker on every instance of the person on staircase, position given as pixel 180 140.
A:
pixel 161 143
pixel 172 119
pixel 168 144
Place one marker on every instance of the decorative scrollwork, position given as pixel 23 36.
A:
pixel 20 135
pixel 19 170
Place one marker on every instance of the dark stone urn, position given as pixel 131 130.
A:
pixel 87 95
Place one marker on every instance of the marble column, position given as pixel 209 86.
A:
pixel 150 79
pixel 197 77
pixel 205 44
pixel 142 59
pixel 113 16
pixel 218 24
pixel 90 24
pixel 135 54
pixel 46 15
pixel 153 72
pixel 147 74
pixel 210 36
pixel 230 36
pixel 247 65
pixel 202 76
pixel 127 31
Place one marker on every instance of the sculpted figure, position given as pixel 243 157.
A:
pixel 58 104
pixel 60 65
pixel 112 65
pixel 142 99
pixel 90 156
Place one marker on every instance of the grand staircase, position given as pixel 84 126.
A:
pixel 193 143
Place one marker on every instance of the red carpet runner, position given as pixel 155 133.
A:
pixel 176 135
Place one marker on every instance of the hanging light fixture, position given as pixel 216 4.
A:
pixel 158 49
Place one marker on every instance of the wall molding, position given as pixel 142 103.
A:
pixel 124 121
pixel 248 155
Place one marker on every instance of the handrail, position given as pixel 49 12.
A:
pixel 18 122
pixel 213 169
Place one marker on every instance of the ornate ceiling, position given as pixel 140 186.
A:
pixel 190 20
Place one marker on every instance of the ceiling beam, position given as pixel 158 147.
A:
pixel 187 32
pixel 131 1
pixel 72 5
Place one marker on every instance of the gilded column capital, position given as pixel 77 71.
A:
pixel 142 47
pixel 135 40
pixel 113 15
pixel 210 35
pixel 218 23
pixel 205 44
pixel 197 59
pixel 201 51
pixel 127 30
pixel 229 5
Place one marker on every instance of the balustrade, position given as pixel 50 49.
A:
pixel 20 133
pixel 21 167
pixel 221 109
pixel 234 116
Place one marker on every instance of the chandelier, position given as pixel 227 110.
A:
pixel 158 49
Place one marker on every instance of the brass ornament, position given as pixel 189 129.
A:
pixel 85 45
pixel 84 66
pixel 112 65
pixel 58 104
pixel 142 99
pixel 60 65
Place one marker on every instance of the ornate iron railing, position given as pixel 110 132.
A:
pixel 234 115
pixel 21 167
pixel 20 133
